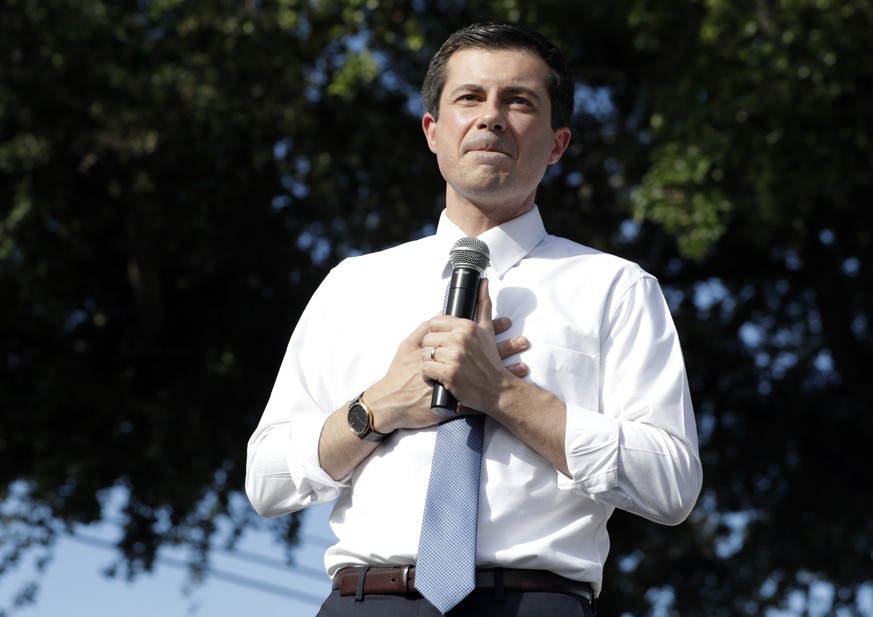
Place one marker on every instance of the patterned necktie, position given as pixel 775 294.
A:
pixel 445 571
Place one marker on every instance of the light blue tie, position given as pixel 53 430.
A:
pixel 445 572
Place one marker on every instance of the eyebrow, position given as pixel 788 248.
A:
pixel 508 90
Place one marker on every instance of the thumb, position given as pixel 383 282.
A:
pixel 483 310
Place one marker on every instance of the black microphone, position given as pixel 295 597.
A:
pixel 469 257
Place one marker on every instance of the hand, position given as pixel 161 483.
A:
pixel 465 357
pixel 402 398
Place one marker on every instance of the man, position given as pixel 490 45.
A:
pixel 580 379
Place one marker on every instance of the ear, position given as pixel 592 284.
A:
pixel 429 125
pixel 559 146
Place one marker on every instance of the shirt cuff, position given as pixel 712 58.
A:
pixel 303 461
pixel 591 445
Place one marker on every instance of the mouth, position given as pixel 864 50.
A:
pixel 486 146
pixel 487 150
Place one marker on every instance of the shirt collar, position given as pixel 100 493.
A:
pixel 508 243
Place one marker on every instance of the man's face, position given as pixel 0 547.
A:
pixel 494 139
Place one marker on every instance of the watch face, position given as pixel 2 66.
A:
pixel 359 420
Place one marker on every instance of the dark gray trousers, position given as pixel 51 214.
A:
pixel 477 604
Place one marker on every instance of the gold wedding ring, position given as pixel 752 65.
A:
pixel 432 354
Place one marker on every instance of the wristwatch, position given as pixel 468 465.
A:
pixel 361 421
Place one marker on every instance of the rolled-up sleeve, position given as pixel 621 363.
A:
pixel 283 473
pixel 639 451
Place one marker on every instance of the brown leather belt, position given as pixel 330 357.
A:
pixel 401 580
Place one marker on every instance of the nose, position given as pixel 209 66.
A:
pixel 491 118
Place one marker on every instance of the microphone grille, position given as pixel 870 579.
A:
pixel 470 252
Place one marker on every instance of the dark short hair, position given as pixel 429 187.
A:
pixel 502 36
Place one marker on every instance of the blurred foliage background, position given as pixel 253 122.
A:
pixel 177 177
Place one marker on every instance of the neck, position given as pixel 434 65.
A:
pixel 475 218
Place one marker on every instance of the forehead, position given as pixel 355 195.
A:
pixel 496 68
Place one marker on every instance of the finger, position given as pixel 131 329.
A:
pixel 519 369
pixel 428 353
pixel 441 323
pixel 440 335
pixel 483 313
pixel 501 324
pixel 415 338
pixel 511 346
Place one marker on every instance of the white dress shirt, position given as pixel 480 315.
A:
pixel 601 338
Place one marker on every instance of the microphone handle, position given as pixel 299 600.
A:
pixel 461 301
